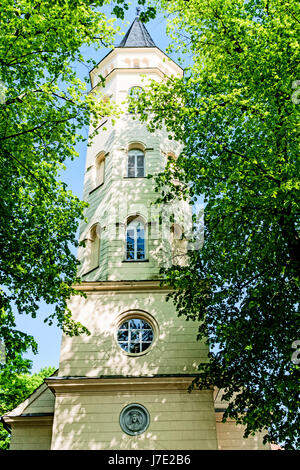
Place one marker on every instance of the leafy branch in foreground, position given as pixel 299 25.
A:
pixel 44 109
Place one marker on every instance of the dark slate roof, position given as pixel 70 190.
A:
pixel 137 36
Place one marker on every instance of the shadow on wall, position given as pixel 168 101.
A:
pixel 174 349
pixel 177 421
pixel 121 196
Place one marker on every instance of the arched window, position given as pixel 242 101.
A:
pixel 100 167
pixel 135 240
pixel 134 95
pixel 136 164
pixel 94 247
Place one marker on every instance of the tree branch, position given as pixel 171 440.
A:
pixel 27 131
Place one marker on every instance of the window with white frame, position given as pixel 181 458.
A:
pixel 135 241
pixel 135 335
pixel 136 164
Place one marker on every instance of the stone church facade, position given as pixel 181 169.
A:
pixel 126 385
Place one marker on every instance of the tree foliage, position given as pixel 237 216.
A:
pixel 43 109
pixel 236 110
pixel 15 388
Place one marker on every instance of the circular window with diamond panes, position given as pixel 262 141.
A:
pixel 135 335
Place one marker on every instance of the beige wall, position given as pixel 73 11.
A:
pixel 90 419
pixel 175 349
pixel 178 420
pixel 44 403
pixel 31 434
pixel 230 436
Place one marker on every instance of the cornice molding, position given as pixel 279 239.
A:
pixel 127 50
pixel 106 286
pixel 29 420
pixel 90 385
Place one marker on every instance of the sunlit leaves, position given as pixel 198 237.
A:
pixel 44 112
pixel 15 386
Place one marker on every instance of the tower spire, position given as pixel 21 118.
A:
pixel 137 35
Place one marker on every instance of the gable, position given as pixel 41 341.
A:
pixel 41 400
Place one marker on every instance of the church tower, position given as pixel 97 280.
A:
pixel 126 385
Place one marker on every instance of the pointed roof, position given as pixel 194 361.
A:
pixel 137 36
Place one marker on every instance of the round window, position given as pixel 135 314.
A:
pixel 135 335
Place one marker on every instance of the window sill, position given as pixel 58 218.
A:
pixel 135 261
pixel 97 187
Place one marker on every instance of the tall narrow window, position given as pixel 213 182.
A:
pixel 136 164
pixel 100 166
pixel 135 241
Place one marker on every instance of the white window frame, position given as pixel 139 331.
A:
pixel 134 335
pixel 135 153
pixel 133 225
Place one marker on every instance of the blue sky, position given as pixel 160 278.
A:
pixel 49 337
